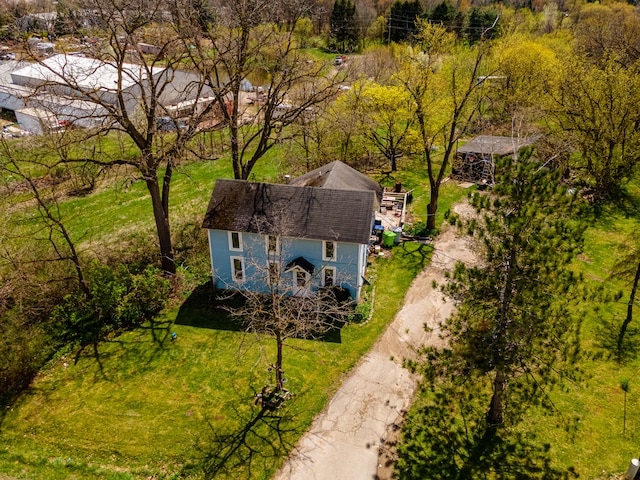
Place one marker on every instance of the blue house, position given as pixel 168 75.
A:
pixel 310 233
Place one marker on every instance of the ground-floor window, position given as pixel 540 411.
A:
pixel 237 268
pixel 328 276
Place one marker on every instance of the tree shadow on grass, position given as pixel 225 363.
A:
pixel 607 340
pixel 256 446
pixel 140 346
pixel 204 309
pixel 628 204
pixel 99 357
pixel 625 205
pixel 416 255
pixel 441 441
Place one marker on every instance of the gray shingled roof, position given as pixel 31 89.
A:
pixel 291 210
pixel 339 176
pixel 489 144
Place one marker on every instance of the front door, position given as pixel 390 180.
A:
pixel 301 283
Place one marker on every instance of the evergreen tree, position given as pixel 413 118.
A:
pixel 479 24
pixel 206 15
pixel 402 24
pixel 66 22
pixel 509 340
pixel 444 14
pixel 343 26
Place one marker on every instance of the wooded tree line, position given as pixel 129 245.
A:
pixel 570 78
pixel 349 24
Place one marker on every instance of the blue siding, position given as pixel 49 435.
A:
pixel 349 263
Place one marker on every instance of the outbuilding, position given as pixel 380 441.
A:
pixel 475 160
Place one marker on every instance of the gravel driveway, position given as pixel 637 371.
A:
pixel 345 440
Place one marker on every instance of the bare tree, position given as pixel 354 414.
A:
pixel 135 91
pixel 50 220
pixel 311 141
pixel 242 43
pixel 161 72
pixel 282 300
pixel 39 262
pixel 283 315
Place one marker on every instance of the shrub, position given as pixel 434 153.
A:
pixel 415 229
pixel 362 312
pixel 24 347
pixel 117 299
pixel 419 229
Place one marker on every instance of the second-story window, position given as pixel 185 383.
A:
pixel 329 250
pixel 235 241
pixel 274 273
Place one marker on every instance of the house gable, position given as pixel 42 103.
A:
pixel 338 176
pixel 300 263
pixel 314 231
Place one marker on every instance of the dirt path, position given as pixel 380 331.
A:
pixel 345 439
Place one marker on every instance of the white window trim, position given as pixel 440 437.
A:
pixel 230 238
pixel 233 269
pixel 294 280
pixel 307 278
pixel 278 245
pixel 334 270
pixel 297 290
pixel 324 250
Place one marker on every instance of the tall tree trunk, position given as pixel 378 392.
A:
pixel 392 161
pixel 494 415
pixel 161 217
pixel 166 187
pixel 496 406
pixel 432 208
pixel 627 321
pixel 234 115
pixel 279 372
pixel 234 132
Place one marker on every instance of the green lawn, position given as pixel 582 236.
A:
pixel 592 408
pixel 148 406
pixel 143 406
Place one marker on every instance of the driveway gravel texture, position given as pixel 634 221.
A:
pixel 347 440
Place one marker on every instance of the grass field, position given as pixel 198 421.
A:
pixel 143 406
pixel 593 408
pixel 146 406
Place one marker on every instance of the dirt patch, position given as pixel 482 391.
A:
pixel 584 258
